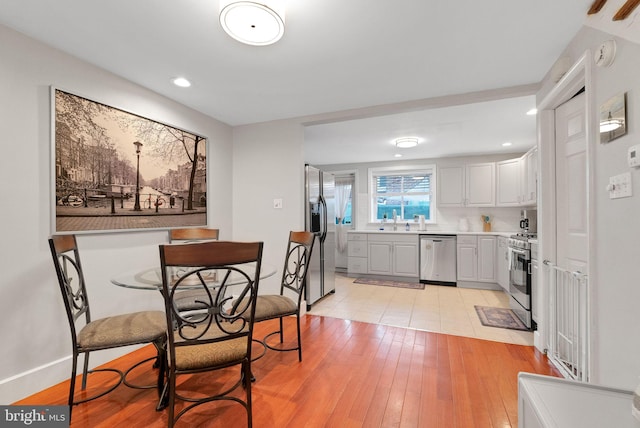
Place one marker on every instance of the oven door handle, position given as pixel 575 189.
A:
pixel 518 251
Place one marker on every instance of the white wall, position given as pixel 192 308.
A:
pixel 268 164
pixel 36 344
pixel 614 281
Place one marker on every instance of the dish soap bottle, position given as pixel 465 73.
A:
pixel 407 227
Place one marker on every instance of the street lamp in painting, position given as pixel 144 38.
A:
pixel 136 205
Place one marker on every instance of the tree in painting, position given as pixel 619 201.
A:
pixel 95 155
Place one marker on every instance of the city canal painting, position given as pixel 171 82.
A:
pixel 116 171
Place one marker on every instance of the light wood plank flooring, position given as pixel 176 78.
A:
pixel 353 374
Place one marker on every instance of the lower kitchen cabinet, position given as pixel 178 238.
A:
pixel 385 254
pixel 357 253
pixel 380 258
pixel 467 258
pixel 476 258
pixel 395 255
pixel 502 262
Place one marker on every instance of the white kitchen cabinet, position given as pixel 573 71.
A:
pixel 467 185
pixel 451 184
pixel 476 258
pixel 393 254
pixel 550 402
pixel 405 259
pixel 357 254
pixel 535 297
pixel 467 257
pixel 517 180
pixel 502 262
pixel 486 258
pixel 379 258
pixel 508 177
pixel 529 177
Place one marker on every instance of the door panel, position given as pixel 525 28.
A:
pixel 571 184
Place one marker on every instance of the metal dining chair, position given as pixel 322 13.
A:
pixel 219 334
pixel 292 286
pixel 89 335
pixel 193 234
pixel 191 299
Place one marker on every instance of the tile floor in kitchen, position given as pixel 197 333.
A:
pixel 438 309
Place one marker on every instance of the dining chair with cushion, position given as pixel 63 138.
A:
pixel 292 286
pixel 88 335
pixel 193 234
pixel 191 299
pixel 218 334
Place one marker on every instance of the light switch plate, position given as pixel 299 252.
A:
pixel 277 204
pixel 620 186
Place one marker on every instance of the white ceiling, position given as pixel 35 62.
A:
pixel 336 55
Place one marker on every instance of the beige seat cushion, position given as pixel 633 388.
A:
pixel 201 356
pixel 123 330
pixel 271 306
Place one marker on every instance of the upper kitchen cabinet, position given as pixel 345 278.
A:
pixel 529 176
pixel 467 186
pixel 517 180
pixel 509 191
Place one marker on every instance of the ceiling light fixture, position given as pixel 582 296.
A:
pixel 610 124
pixel 397 155
pixel 181 81
pixel 506 144
pixel 254 23
pixel 406 142
pixel 532 112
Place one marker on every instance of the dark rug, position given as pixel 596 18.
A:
pixel 499 317
pixel 397 284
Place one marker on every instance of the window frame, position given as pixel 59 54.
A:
pixel 421 169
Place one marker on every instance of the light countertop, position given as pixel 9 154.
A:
pixel 389 230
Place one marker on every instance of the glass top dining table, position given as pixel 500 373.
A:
pixel 151 278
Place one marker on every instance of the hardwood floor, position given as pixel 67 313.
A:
pixel 353 374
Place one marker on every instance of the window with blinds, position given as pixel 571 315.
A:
pixel 407 193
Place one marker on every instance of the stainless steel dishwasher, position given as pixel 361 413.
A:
pixel 438 259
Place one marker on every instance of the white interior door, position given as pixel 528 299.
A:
pixel 571 185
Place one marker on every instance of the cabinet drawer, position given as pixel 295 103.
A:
pixel 357 237
pixel 467 239
pixel 357 249
pixel 357 265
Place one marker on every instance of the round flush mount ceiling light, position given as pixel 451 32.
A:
pixel 253 23
pixel 181 81
pixel 406 142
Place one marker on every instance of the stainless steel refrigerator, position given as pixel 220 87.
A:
pixel 320 219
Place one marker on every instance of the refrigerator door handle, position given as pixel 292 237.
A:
pixel 323 204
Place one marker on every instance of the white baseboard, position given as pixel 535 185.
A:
pixel 29 382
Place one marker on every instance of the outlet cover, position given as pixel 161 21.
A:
pixel 277 204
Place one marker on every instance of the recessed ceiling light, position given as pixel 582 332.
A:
pixel 532 112
pixel 397 155
pixel 181 81
pixel 406 142
pixel 507 144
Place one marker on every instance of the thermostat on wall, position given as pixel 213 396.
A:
pixel 633 156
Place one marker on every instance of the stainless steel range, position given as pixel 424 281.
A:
pixel 520 276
